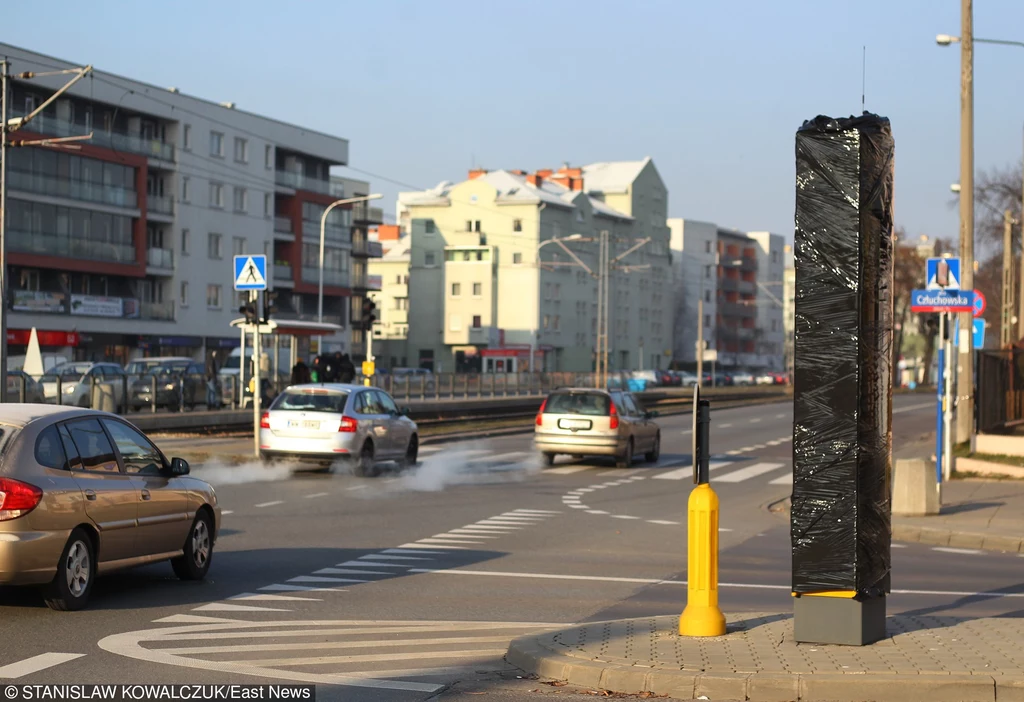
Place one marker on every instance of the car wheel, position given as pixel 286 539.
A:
pixel 655 453
pixel 366 466
pixel 70 588
pixel 412 452
pixel 626 459
pixel 195 562
pixel 549 459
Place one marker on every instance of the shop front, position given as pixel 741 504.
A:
pixel 99 347
pixel 512 359
pixel 149 346
pixel 56 346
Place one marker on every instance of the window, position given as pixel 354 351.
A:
pixel 477 321
pixel 469 225
pixel 216 195
pixel 368 403
pixel 213 297
pixel 238 245
pixel 547 321
pixel 186 137
pixel 429 259
pixel 429 225
pixel 386 403
pixel 707 321
pixel 775 256
pixel 139 456
pixel 93 447
pixel 557 322
pixel 707 247
pixel 775 325
pixel 268 156
pixel 241 150
pixel 213 246
pixel 517 225
pixel 186 243
pixel 558 291
pixel 49 452
pixel 183 297
pixel 517 258
pixel 216 144
pixel 184 189
pixel 268 205
pixel 454 322
pixel 707 296
pixel 456 289
pixel 547 291
pixel 478 289
pixel 241 200
pixel 707 271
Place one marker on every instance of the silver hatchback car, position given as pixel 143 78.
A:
pixel 586 422
pixel 325 423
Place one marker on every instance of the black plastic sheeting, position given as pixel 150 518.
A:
pixel 842 426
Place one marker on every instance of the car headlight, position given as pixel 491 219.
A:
pixel 68 389
pixel 169 386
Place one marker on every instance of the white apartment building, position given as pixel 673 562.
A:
pixel 123 246
pixel 695 277
pixel 391 329
pixel 488 282
pixel 769 344
pixel 789 307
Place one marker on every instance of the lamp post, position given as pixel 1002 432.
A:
pixel 965 376
pixel 323 230
pixel 536 316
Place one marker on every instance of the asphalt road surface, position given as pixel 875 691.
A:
pixel 406 587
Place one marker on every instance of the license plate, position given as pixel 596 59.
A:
pixel 305 424
pixel 574 423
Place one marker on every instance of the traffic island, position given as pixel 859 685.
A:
pixel 921 659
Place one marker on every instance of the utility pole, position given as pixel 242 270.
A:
pixel 700 337
pixel 1020 284
pixel 3 227
pixel 601 364
pixel 965 370
pixel 1006 329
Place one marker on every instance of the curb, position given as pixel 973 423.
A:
pixel 530 656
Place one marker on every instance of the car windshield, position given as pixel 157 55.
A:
pixel 169 368
pixel 233 362
pixel 311 400
pixel 589 403
pixel 143 366
pixel 69 370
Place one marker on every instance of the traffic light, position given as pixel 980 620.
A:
pixel 269 306
pixel 248 310
pixel 369 307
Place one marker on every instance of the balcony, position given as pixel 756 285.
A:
pixel 162 311
pixel 283 225
pixel 299 181
pixel 748 264
pixel 747 287
pixel 728 284
pixel 160 261
pixel 367 249
pixel 53 245
pixel 283 275
pixel 335 278
pixel 366 282
pixel 332 232
pixel 737 309
pixel 160 205
pixel 73 189
pixel 362 212
pixel 118 141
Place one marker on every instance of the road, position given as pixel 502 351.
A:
pixel 406 587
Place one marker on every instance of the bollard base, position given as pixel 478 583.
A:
pixel 838 620
pixel 702 620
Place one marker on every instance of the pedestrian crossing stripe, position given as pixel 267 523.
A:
pixel 250 272
pixel 738 476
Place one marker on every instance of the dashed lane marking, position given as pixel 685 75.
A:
pixel 356 487
pixel 755 420
pixel 226 607
pixel 786 479
pixel 961 551
pixel 270 504
pixel 317 494
pixel 13 671
pixel 663 521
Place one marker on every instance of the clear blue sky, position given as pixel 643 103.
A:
pixel 712 90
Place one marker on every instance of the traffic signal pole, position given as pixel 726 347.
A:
pixel 257 358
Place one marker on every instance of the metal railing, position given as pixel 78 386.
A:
pixel 163 311
pixel 73 189
pixel 371 249
pixel 299 181
pixel 53 245
pixel 119 141
pixel 160 204
pixel 331 277
pixel 283 271
pixel 283 225
pixel 160 258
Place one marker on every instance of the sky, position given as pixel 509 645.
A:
pixel 713 91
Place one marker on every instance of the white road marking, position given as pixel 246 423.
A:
pixel 616 471
pixel 503 522
pixel 431 449
pixel 256 597
pixel 317 494
pixel 584 490
pixel 436 541
pixel 382 557
pixel 579 506
pixel 780 415
pixel 226 607
pixel 776 442
pixel 536 518
pixel 596 511
pixel 282 587
pixel 663 521
pixel 511 456
pixel 738 476
pixel 962 551
pixel 376 657
pixel 410 550
pixel 496 529
pixel 687 472
pixel 598 487
pixel 368 564
pixel 786 479
pixel 13 671
pixel 725 426
pixel 270 504
pixel 538 511
pixel 350 571
pixel 759 447
pixel 734 452
pixel 624 516
pixel 755 420
pixel 323 579
pixel 898 545
pixel 356 487
pixel 463 532
pixel 448 548
pixel 914 407
pixel 308 646
pixel 226 512
pixel 566 470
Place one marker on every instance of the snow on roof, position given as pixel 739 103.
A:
pixel 612 176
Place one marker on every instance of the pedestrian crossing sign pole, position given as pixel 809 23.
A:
pixel 251 275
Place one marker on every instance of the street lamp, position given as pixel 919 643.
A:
pixel 323 229
pixel 946 40
pixel 533 331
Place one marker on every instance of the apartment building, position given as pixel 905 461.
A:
pixel 490 289
pixel 123 246
pixel 694 247
pixel 789 307
pixel 391 330
pixel 770 340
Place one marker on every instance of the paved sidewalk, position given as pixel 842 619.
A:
pixel 924 659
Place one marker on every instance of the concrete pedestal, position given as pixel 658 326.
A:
pixel 838 620
pixel 915 489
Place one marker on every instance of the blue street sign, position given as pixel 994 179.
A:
pixel 978 328
pixel 942 274
pixel 942 301
pixel 251 272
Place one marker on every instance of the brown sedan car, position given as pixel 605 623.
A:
pixel 84 493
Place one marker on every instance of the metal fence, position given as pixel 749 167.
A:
pixel 1000 391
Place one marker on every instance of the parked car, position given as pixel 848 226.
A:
pixel 83 492
pixel 141 366
pixel 76 381
pixel 585 422
pixel 686 379
pixel 179 384
pixel 742 378
pixel 326 422
pixel 413 378
pixel 18 382
pixel 765 378
pixel 667 379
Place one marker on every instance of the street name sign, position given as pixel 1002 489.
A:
pixel 942 301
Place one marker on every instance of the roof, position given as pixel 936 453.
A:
pixel 612 176
pixel 20 414
pixel 337 387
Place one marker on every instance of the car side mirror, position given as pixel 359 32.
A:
pixel 179 466
pixel 405 411
pixel 650 415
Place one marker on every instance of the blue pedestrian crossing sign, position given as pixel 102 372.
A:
pixel 251 272
pixel 942 274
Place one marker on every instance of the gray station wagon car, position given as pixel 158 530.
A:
pixel 331 422
pixel 84 492
pixel 586 422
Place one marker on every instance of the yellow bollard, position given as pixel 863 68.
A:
pixel 702 617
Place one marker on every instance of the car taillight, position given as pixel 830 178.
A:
pixel 614 422
pixel 265 420
pixel 348 425
pixel 17 498
pixel 540 412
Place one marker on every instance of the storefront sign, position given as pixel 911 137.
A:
pixel 38 301
pixel 94 306
pixel 20 337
